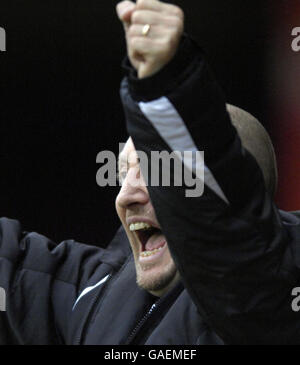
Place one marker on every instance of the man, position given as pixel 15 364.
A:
pixel 197 260
pixel 236 253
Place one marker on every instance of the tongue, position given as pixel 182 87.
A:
pixel 157 240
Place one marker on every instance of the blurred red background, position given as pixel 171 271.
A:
pixel 284 114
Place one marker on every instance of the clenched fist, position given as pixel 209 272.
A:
pixel 151 48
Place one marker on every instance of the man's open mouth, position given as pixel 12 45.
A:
pixel 151 238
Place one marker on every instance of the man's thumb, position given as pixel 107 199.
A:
pixel 125 10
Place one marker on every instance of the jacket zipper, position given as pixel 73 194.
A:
pixel 92 313
pixel 141 323
pixel 162 303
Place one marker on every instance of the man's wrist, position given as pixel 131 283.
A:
pixel 161 83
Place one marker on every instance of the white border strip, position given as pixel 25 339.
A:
pixel 169 124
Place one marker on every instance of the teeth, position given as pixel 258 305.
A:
pixel 139 225
pixel 150 253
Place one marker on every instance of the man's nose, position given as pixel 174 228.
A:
pixel 133 191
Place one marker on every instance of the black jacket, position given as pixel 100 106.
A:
pixel 76 294
pixel 236 253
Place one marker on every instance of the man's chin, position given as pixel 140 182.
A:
pixel 156 282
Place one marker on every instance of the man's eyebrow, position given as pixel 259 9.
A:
pixel 122 164
pixel 124 160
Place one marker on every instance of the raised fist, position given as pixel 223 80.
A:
pixel 153 31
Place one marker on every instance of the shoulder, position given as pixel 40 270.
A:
pixel 35 252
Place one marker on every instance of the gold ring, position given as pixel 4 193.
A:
pixel 146 29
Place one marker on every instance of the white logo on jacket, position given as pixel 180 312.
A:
pixel 88 289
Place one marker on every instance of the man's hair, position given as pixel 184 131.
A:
pixel 257 141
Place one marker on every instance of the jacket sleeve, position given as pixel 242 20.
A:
pixel 40 282
pixel 235 256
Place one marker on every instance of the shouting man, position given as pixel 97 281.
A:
pixel 211 269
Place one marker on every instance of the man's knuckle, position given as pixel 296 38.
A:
pixel 141 4
pixel 178 12
pixel 136 16
pixel 178 23
pixel 132 30
pixel 135 42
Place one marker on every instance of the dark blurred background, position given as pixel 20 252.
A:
pixel 59 95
